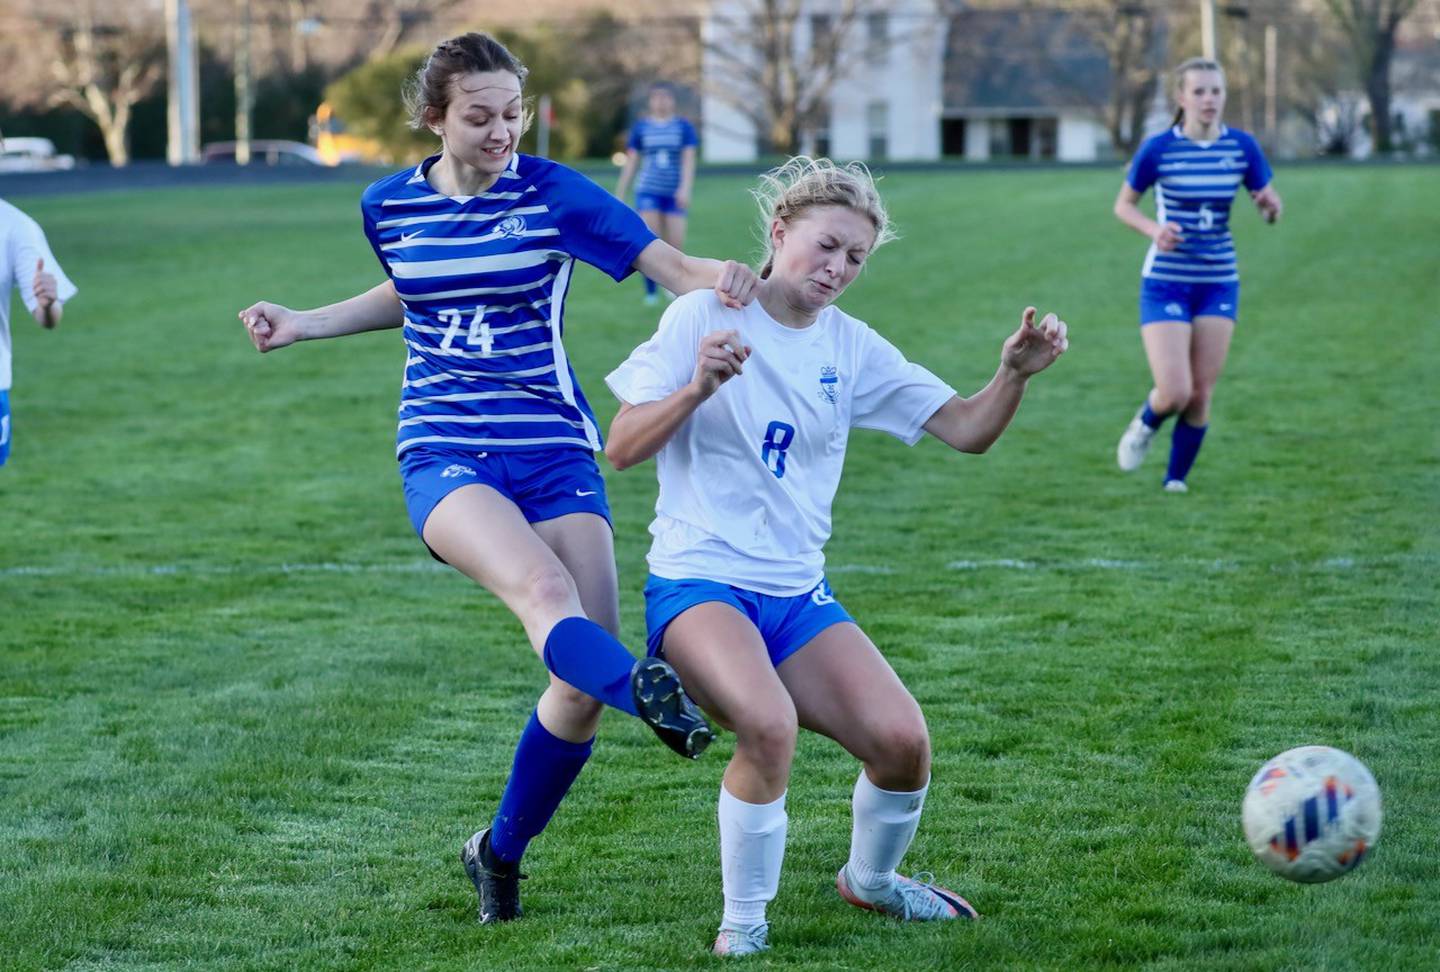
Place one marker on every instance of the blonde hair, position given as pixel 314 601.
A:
pixel 1193 64
pixel 788 192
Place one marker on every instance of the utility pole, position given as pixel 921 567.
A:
pixel 183 114
pixel 1207 29
pixel 1271 52
pixel 244 96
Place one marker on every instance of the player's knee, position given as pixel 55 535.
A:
pixel 1172 397
pixel 549 590
pixel 901 754
pixel 768 736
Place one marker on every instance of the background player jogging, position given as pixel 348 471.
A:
pixel 1190 283
pixel 750 415
pixel 26 265
pixel 496 441
pixel 662 147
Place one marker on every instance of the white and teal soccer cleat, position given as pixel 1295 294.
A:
pixel 911 899
pixel 742 941
pixel 1134 444
pixel 1176 486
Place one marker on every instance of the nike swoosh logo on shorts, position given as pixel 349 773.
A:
pixel 585 492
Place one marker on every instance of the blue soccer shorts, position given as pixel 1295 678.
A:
pixel 4 426
pixel 786 624
pixel 650 202
pixel 543 483
pixel 1168 300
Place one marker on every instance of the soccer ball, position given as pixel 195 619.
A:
pixel 1312 814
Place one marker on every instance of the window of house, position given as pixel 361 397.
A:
pixel 877 39
pixel 877 123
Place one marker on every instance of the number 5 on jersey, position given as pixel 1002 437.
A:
pixel 778 437
pixel 479 333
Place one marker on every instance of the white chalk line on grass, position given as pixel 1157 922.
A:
pixel 1326 565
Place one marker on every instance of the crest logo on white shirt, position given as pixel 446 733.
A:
pixel 829 384
pixel 511 227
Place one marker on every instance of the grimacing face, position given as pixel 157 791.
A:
pixel 1202 96
pixel 484 120
pixel 819 253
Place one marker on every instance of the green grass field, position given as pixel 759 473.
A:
pixel 245 723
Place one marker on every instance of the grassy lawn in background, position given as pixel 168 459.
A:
pixel 246 722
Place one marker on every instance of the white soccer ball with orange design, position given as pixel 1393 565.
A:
pixel 1312 813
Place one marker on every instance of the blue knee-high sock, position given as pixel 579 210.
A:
pixel 582 653
pixel 545 767
pixel 649 285
pixel 1150 417
pixel 1184 447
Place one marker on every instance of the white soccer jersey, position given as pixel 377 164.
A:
pixel 747 482
pixel 21 244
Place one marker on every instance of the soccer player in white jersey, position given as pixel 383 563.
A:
pixel 749 416
pixel 1190 285
pixel 661 147
pixel 496 441
pixel 26 264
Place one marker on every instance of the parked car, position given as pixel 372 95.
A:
pixel 263 151
pixel 31 154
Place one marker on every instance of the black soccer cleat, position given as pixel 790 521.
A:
pixel 497 882
pixel 665 708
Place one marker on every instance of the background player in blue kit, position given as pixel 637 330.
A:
pixel 662 146
pixel 749 465
pixel 27 265
pixel 496 441
pixel 1190 284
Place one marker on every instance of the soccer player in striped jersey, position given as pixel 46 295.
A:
pixel 27 265
pixel 496 441
pixel 662 147
pixel 749 416
pixel 1190 284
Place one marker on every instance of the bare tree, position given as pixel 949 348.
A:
pixel 1370 26
pixel 775 61
pixel 103 68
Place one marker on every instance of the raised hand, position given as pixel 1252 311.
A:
pixel 721 357
pixel 1267 200
pixel 270 326
pixel 736 286
pixel 1167 237
pixel 1032 349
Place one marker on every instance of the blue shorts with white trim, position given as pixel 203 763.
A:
pixel 786 624
pixel 651 202
pixel 543 483
pixel 1169 300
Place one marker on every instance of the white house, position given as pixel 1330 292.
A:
pixel 884 103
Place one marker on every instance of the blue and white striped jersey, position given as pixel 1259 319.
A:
pixel 483 280
pixel 1195 183
pixel 660 145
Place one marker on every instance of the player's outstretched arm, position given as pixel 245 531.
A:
pixel 640 431
pixel 973 424
pixel 273 326
pixel 678 273
pixel 1127 209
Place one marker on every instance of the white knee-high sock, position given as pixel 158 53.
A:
pixel 752 848
pixel 884 825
